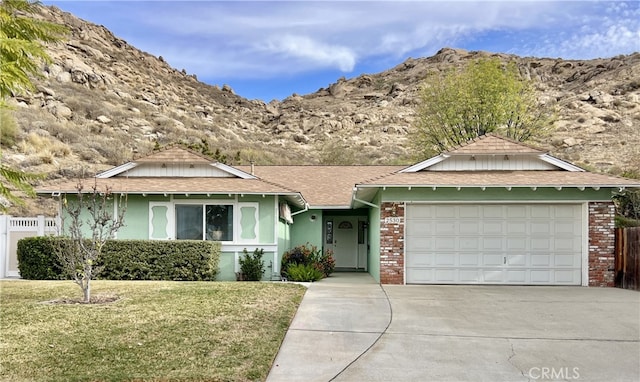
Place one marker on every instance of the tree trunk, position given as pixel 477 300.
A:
pixel 86 291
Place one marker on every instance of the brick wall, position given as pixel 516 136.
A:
pixel 392 243
pixel 601 244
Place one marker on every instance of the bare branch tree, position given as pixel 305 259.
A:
pixel 89 219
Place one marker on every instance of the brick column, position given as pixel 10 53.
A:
pixel 601 244
pixel 392 243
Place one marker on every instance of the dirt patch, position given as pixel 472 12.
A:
pixel 95 300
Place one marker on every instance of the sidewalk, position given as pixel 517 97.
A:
pixel 339 318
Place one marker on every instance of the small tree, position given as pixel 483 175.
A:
pixel 484 96
pixel 22 49
pixel 89 221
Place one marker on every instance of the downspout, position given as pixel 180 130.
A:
pixel 365 203
pixel 306 208
pixel 353 198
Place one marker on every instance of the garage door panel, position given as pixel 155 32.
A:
pixel 445 276
pixel 563 227
pixel 541 276
pixel 446 259
pixel 516 211
pixel 424 212
pixel 421 275
pixel 469 211
pixel 516 276
pixel 541 227
pixel 469 259
pixel 492 260
pixel 566 211
pixel 418 260
pixel 565 244
pixel 541 244
pixel 517 227
pixel 445 212
pixel 517 243
pixel 492 227
pixel 492 243
pixel 468 243
pixel 469 276
pixel 469 227
pixel 492 211
pixel 538 260
pixel 496 244
pixel 420 244
pixel 517 260
pixel 565 277
pixel 445 228
pixel 492 276
pixel 564 260
pixel 540 211
pixel 445 243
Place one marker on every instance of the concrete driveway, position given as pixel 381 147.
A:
pixel 350 329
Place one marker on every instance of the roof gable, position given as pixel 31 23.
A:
pixel 175 162
pixel 492 153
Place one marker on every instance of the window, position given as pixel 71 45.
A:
pixel 204 222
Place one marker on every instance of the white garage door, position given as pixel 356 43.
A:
pixel 494 244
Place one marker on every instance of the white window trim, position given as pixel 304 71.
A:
pixel 237 205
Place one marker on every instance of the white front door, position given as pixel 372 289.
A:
pixel 345 242
pixel 494 244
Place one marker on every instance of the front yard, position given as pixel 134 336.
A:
pixel 155 331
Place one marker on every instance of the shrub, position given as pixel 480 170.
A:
pixel 8 128
pixel 307 255
pixel 327 263
pixel 304 272
pixel 181 260
pixel 125 259
pixel 37 259
pixel 252 265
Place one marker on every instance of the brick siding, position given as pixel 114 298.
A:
pixel 392 244
pixel 601 244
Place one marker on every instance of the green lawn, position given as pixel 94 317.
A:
pixel 156 331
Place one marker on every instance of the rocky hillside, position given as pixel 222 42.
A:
pixel 102 101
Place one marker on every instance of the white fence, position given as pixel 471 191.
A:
pixel 13 229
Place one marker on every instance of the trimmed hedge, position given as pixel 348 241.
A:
pixel 126 259
pixel 37 259
pixel 192 260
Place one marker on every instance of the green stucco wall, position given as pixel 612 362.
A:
pixel 136 221
pixel 137 215
pixel 373 261
pixel 306 230
pixel 227 265
pixel 284 237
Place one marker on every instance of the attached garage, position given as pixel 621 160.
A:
pixel 516 244
pixel 492 211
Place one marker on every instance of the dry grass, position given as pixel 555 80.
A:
pixel 182 331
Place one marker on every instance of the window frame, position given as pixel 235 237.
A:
pixel 204 203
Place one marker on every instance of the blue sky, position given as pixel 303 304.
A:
pixel 272 49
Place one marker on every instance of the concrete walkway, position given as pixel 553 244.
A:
pixel 339 318
pixel 347 330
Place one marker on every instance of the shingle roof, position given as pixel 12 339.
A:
pixel 492 144
pixel 501 179
pixel 321 186
pixel 183 185
pixel 332 186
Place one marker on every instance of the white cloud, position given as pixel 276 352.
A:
pixel 238 39
pixel 313 52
